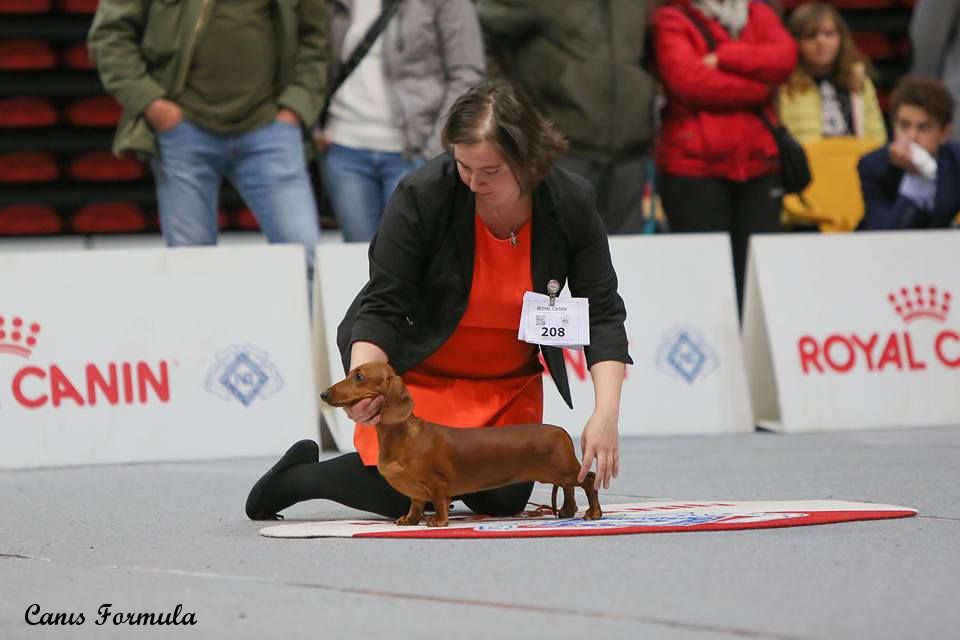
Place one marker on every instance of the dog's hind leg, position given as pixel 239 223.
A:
pixel 569 508
pixel 414 515
pixel 590 488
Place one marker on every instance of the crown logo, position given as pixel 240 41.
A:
pixel 17 337
pixel 921 302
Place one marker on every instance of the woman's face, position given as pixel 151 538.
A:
pixel 483 169
pixel 819 49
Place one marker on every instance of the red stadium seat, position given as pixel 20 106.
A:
pixel 102 111
pixel 79 6
pixel 29 220
pixel 78 57
pixel 875 46
pixel 103 166
pixel 27 112
pixel 245 220
pixel 26 55
pixel 28 166
pixel 25 6
pixel 109 217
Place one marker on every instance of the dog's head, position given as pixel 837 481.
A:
pixel 369 381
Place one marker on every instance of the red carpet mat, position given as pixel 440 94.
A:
pixel 618 519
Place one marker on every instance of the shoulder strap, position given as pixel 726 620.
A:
pixel 356 56
pixel 702 28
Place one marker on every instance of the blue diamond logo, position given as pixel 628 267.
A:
pixel 243 379
pixel 686 358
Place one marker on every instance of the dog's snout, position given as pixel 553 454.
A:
pixel 325 395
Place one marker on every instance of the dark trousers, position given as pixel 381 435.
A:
pixel 619 190
pixel 715 204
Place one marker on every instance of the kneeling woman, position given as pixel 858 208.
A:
pixel 462 239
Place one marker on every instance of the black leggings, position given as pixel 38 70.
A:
pixel 347 480
pixel 714 204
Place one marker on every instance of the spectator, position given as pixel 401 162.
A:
pixel 218 92
pixel 830 93
pixel 935 35
pixel 385 119
pixel 581 63
pixel 914 183
pixel 717 157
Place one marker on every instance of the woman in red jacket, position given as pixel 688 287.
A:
pixel 718 160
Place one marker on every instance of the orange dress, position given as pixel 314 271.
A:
pixel 482 376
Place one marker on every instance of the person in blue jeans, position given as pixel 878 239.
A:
pixel 385 119
pixel 215 91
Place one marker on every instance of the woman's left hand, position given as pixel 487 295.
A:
pixel 601 442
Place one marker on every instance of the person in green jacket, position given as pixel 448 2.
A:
pixel 830 94
pixel 581 62
pixel 218 90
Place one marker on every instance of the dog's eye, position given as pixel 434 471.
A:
pixel 359 377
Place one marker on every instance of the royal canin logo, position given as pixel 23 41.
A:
pixel 875 352
pixel 113 383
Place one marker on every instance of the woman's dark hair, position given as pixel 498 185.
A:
pixel 495 111
pixel 850 66
pixel 927 93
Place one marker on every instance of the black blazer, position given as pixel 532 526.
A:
pixel 421 268
pixel 885 208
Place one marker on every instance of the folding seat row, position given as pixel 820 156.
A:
pixel 46 6
pixel 96 166
pixel 23 112
pixel 41 55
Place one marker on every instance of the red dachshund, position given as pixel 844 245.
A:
pixel 431 462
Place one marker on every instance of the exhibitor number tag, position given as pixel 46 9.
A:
pixel 565 323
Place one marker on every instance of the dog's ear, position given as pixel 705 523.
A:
pixel 397 403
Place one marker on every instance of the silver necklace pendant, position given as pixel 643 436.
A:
pixel 513 239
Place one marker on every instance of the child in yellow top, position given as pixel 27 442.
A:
pixel 830 94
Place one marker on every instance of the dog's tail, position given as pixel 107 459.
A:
pixel 553 501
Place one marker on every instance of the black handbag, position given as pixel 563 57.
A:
pixel 794 167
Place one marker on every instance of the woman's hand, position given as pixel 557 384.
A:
pixel 601 442
pixel 366 411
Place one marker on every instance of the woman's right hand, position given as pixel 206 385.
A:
pixel 163 115
pixel 366 411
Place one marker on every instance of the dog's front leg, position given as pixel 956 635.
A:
pixel 441 506
pixel 414 515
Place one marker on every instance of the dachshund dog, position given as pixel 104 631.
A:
pixel 431 462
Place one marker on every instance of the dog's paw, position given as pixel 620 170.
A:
pixel 593 514
pixel 566 513
pixel 434 521
pixel 407 521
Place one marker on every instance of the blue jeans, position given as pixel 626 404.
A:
pixel 266 166
pixel 359 182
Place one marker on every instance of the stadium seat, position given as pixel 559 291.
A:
pixel 245 220
pixel 103 166
pixel 26 55
pixel 876 46
pixel 28 166
pixel 109 217
pixel 101 111
pixel 27 112
pixel 29 220
pixel 77 57
pixel 79 6
pixel 833 200
pixel 25 6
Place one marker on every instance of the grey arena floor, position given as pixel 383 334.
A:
pixel 145 538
